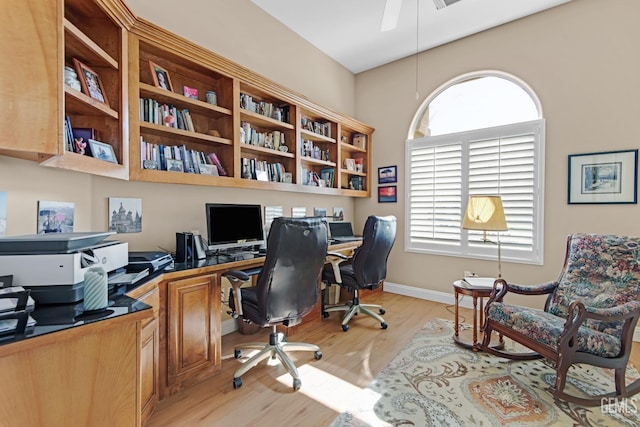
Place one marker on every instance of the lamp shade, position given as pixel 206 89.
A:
pixel 485 213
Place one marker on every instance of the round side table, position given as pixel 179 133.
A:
pixel 461 287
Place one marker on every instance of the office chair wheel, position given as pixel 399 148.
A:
pixel 325 314
pixel 345 328
pixel 383 325
pixel 296 384
pixel 317 355
pixel 237 383
pixel 237 354
pixel 382 311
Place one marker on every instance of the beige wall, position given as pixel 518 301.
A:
pixel 582 61
pixel 239 31
pixel 242 32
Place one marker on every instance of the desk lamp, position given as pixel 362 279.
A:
pixel 487 214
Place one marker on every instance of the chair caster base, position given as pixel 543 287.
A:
pixel 325 314
pixel 382 311
pixel 296 384
pixel 237 354
pixel 383 325
pixel 345 328
pixel 317 355
pixel 237 383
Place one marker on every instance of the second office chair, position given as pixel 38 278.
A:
pixel 366 269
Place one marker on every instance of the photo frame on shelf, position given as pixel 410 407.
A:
pixel 174 165
pixel 387 174
pixel 90 82
pixel 160 76
pixel 388 194
pixel 102 151
pixel 350 164
pixel 606 177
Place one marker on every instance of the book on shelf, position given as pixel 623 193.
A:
pixel 216 161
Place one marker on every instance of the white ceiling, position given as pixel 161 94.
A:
pixel 349 30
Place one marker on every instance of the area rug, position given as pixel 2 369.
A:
pixel 434 382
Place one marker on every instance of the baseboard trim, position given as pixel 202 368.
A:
pixel 445 298
pixel 228 326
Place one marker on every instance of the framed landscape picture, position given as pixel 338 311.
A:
pixel 388 194
pixel 387 174
pixel 607 177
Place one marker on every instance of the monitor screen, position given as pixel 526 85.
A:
pixel 233 225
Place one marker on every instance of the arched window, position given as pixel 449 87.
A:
pixel 480 133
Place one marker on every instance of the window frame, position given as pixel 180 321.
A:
pixel 466 248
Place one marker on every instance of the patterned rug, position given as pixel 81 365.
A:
pixel 434 382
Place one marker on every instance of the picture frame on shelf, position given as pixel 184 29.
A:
pixel 160 76
pixel 90 82
pixel 387 174
pixel 102 151
pixel 388 194
pixel 174 165
pixel 605 177
pixel 350 164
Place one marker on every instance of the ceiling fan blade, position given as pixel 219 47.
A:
pixel 390 15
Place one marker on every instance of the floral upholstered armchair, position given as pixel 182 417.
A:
pixel 589 315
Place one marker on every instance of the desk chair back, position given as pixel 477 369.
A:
pixel 370 259
pixel 287 287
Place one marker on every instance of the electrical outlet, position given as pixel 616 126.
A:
pixel 468 273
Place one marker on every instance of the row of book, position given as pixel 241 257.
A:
pixel 151 111
pixel 321 128
pixel 249 135
pixel 264 108
pixel 179 158
pixel 262 170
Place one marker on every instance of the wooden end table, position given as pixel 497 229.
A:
pixel 461 287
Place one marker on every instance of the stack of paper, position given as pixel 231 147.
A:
pixel 480 282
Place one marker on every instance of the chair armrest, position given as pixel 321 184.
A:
pixel 537 289
pixel 236 278
pixel 335 259
pixel 619 312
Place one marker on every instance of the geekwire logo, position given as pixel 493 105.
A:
pixel 618 406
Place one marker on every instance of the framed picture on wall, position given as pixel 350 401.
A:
pixel 387 174
pixel 607 177
pixel 388 194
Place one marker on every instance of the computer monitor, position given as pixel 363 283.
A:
pixel 233 226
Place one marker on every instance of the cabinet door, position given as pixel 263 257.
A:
pixel 193 330
pixel 149 344
pixel 31 64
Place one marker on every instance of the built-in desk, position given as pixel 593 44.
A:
pixel 74 370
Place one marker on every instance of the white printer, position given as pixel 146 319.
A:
pixel 53 265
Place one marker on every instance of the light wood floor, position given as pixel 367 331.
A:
pixel 350 361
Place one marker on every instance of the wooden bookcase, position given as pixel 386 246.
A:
pixel 96 36
pixel 118 46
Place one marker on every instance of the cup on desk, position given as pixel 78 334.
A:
pixel 96 289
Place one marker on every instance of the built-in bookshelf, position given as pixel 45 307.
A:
pixel 93 91
pixel 195 103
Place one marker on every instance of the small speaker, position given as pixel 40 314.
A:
pixel 184 247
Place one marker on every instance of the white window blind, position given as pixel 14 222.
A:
pixel 445 170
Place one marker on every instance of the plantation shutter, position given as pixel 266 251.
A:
pixel 505 166
pixel 436 194
pixel 445 170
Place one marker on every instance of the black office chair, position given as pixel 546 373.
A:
pixel 366 269
pixel 286 289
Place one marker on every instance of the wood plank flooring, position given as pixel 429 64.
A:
pixel 350 361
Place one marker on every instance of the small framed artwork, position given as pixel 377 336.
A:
pixel 607 177
pixel 90 82
pixel 102 151
pixel 387 174
pixel 125 215
pixel 388 194
pixel 350 164
pixel 175 165
pixel 160 76
pixel 55 217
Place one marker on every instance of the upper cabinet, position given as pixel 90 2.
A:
pixel 30 88
pixel 117 96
